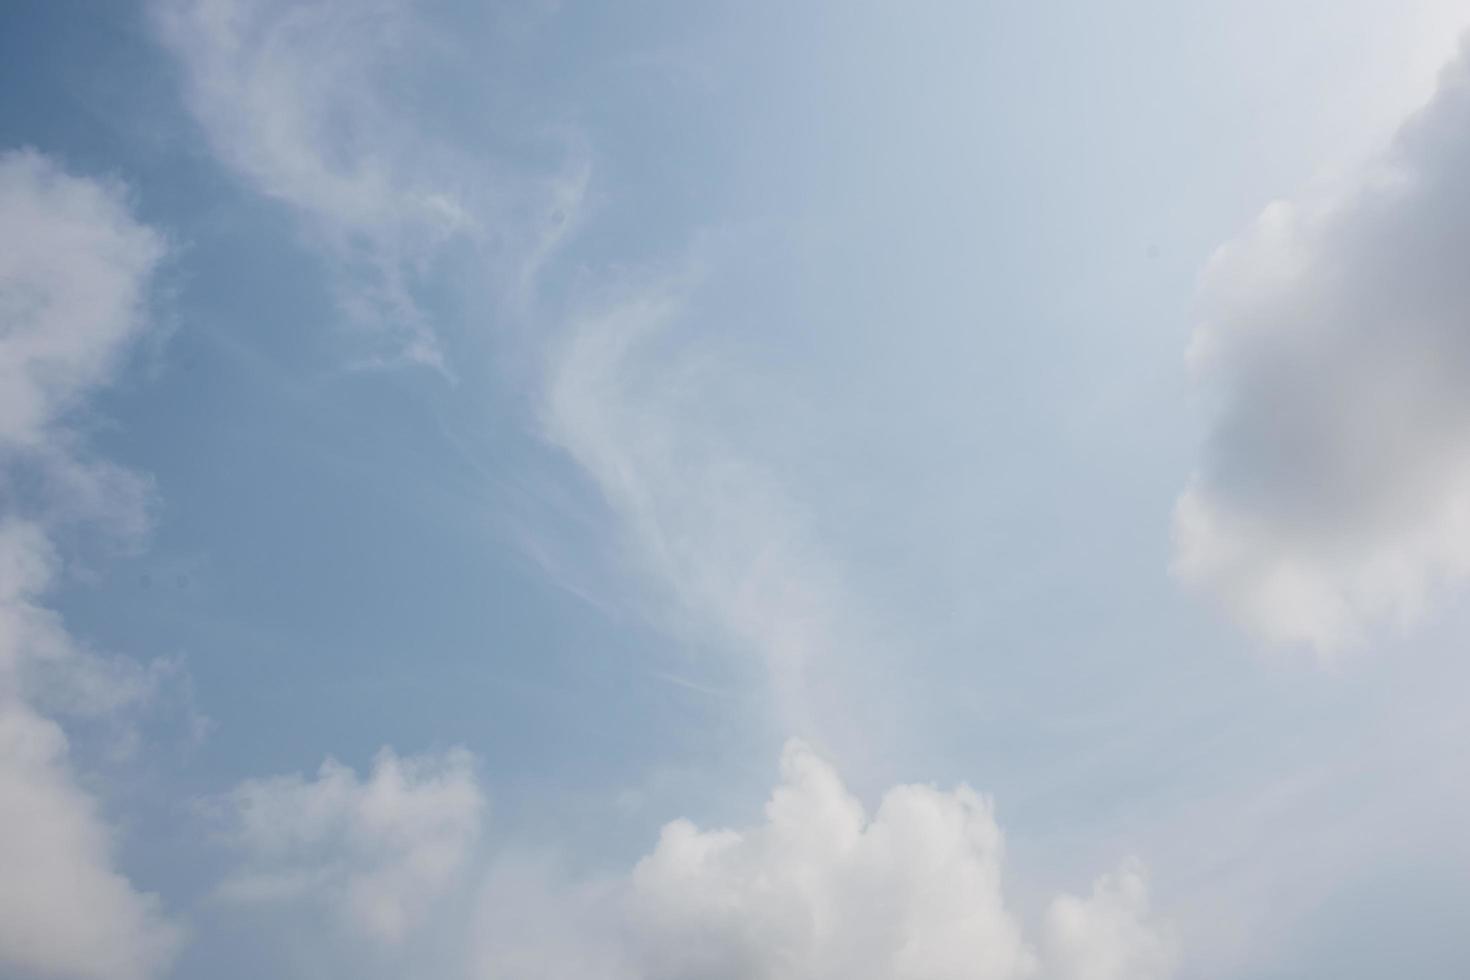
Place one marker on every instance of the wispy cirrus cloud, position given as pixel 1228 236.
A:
pixel 818 888
pixel 293 98
pixel 298 100
pixel 711 531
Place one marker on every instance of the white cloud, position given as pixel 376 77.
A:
pixel 63 910
pixel 40 662
pixel 378 853
pixel 74 273
pixel 1335 489
pixel 820 889
pixel 74 268
pixel 1107 936
pixel 297 99
pixel 286 95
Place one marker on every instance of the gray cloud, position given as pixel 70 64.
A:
pixel 1334 492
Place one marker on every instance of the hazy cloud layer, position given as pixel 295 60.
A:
pixel 74 273
pixel 1335 488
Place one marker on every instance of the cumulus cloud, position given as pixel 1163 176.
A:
pixel 376 852
pixel 296 99
pixel 64 911
pixel 822 889
pixel 1107 935
pixel 1334 493
pixel 74 273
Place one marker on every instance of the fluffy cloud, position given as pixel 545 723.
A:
pixel 1335 488
pixel 74 273
pixel 1107 935
pixel 296 98
pixel 64 911
pixel 821 889
pixel 377 852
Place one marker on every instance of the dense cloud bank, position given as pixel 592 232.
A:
pixel 1335 487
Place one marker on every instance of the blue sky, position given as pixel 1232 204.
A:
pixel 744 491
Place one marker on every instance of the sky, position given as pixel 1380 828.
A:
pixel 539 490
